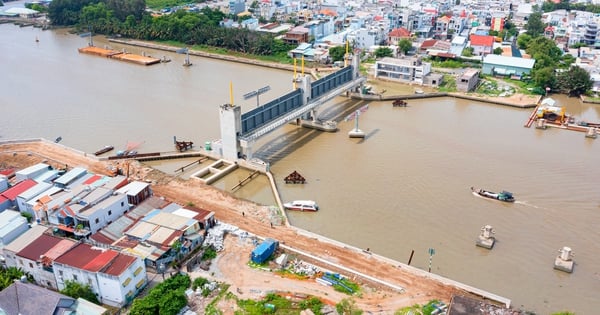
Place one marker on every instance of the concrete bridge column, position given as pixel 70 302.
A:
pixel 305 84
pixel 231 128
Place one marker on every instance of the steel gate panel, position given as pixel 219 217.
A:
pixel 272 110
pixel 330 82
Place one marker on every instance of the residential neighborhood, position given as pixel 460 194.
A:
pixel 99 231
pixel 67 225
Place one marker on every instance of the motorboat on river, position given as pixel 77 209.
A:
pixel 301 205
pixel 502 196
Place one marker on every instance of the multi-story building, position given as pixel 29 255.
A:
pixel 365 38
pixel 37 257
pixel 410 69
pixel 115 277
pixel 236 6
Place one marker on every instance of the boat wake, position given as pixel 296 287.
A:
pixel 525 203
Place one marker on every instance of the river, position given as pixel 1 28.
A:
pixel 404 187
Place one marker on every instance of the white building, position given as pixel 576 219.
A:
pixel 36 258
pixel 115 277
pixel 104 212
pixel 32 171
pixel 31 194
pixel 12 225
pixel 9 252
pixel 405 69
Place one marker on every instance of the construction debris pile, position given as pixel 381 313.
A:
pixel 300 267
pixel 216 235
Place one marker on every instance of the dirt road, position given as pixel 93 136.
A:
pixel 418 289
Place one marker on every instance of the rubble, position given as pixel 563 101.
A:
pixel 216 235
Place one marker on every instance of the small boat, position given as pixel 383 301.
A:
pixel 104 150
pixel 57 140
pixel 301 205
pixel 502 196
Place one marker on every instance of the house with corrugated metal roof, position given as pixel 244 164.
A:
pixel 9 252
pixel 12 225
pixel 12 193
pixel 32 193
pixel 37 257
pixel 70 176
pixel 136 192
pixel 506 66
pixel 115 277
pixel 32 172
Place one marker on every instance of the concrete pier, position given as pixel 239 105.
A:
pixel 564 262
pixel 486 239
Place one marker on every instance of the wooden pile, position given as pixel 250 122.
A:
pixel 295 178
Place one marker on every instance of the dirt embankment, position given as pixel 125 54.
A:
pixel 417 289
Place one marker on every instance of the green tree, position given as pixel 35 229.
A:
pixel 77 290
pixel 405 45
pixel 172 302
pixel 498 51
pixel 383 52
pixel 535 26
pixel 544 77
pixel 347 307
pixel 337 53
pixel 124 8
pixel 523 40
pixel 66 12
pixel 468 52
pixel 575 81
pixel 10 274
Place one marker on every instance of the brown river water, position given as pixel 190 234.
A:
pixel 404 187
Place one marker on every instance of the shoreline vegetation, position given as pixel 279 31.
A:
pixel 395 89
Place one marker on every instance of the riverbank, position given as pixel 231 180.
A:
pixel 515 100
pixel 367 268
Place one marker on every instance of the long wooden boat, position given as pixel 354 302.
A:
pixel 104 150
pixel 502 196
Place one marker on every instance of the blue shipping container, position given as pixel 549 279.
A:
pixel 263 251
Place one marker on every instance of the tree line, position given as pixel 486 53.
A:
pixel 553 69
pixel 129 18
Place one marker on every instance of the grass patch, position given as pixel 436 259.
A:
pixel 211 309
pixel 448 84
pixel 276 304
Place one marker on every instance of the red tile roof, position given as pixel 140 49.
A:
pixel 19 188
pixel 2 199
pixel 92 179
pixel 428 43
pixel 39 247
pixel 84 257
pixel 482 40
pixel 399 32
pixel 119 265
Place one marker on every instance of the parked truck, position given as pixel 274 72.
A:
pixel 263 251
